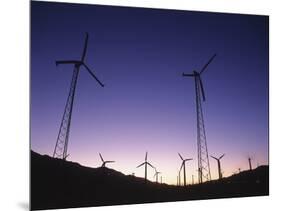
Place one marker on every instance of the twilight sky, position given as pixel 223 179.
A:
pixel 146 105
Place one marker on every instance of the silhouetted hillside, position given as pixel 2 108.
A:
pixel 62 184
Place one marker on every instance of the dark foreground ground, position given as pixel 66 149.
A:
pixel 61 184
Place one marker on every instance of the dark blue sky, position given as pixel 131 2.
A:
pixel 146 104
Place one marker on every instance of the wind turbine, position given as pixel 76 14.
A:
pixel 219 164
pixel 145 163
pixel 105 162
pixel 183 166
pixel 202 150
pixel 60 150
pixel 156 174
pixel 250 162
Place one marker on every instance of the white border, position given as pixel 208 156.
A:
pixel 14 110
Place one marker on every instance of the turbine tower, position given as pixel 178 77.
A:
pixel 202 149
pixel 179 177
pixel 145 163
pixel 183 166
pixel 60 150
pixel 105 162
pixel 250 163
pixel 219 164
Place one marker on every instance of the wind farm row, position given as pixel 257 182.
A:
pixel 182 172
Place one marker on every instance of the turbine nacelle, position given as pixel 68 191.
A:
pixel 196 73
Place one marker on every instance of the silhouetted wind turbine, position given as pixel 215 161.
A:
pixel 105 162
pixel 60 150
pixel 219 164
pixel 202 149
pixel 145 163
pixel 183 166
pixel 250 163
pixel 156 175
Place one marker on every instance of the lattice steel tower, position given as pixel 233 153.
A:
pixel 60 150
pixel 204 173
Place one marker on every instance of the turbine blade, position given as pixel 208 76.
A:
pixel 202 88
pixel 85 47
pixel 188 159
pixel 68 62
pixel 187 75
pixel 93 75
pixel 150 165
pixel 181 166
pixel 101 158
pixel 221 156
pixel 180 156
pixel 110 161
pixel 214 157
pixel 206 65
pixel 140 165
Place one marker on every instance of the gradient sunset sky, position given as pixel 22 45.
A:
pixel 146 105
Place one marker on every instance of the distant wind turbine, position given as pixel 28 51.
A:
pixel 105 162
pixel 183 166
pixel 145 163
pixel 219 164
pixel 250 162
pixel 156 175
